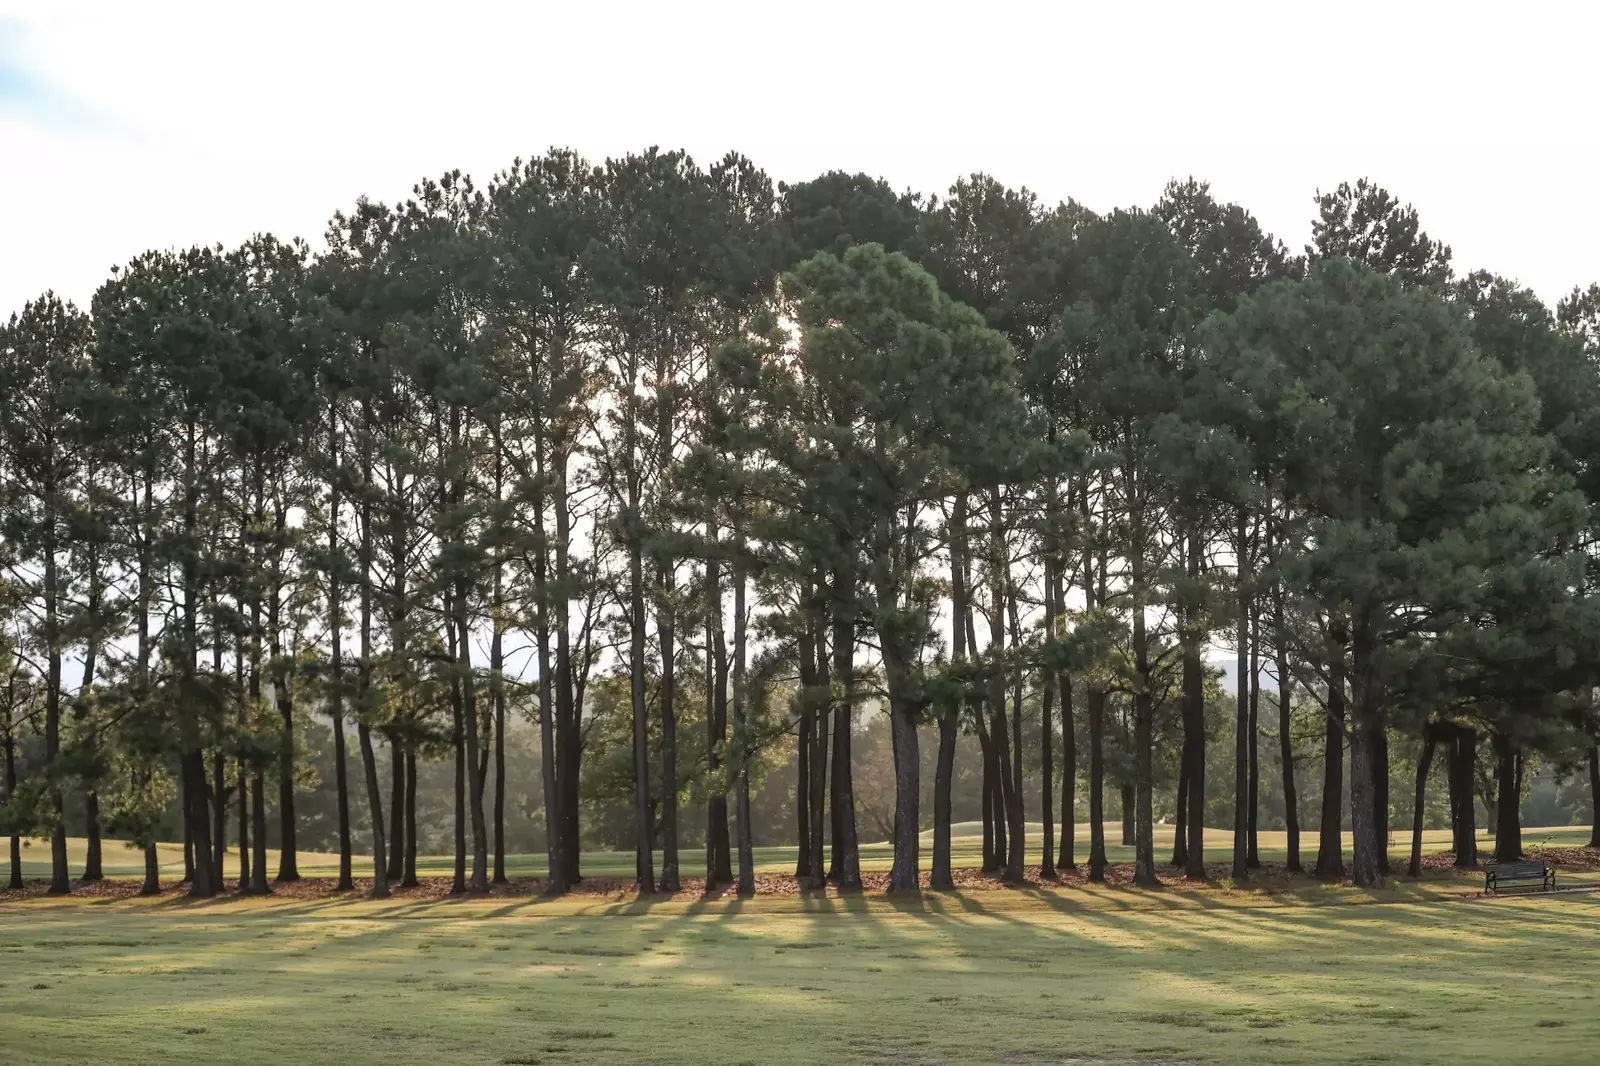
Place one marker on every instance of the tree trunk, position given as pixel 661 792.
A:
pixel 1463 809
pixel 1330 843
pixel 1508 811
pixel 665 635
pixel 1180 825
pixel 219 808
pixel 1429 740
pixel 1047 770
pixel 1280 629
pixel 193 770
pixel 1291 811
pixel 1367 725
pixel 1594 796
pixel 258 818
pixel 288 859
pixel 1006 738
pixel 469 720
pixel 369 762
pixel 1097 782
pixel 1016 857
pixel 1067 856
pixel 644 859
pixel 185 812
pixel 1130 804
pixel 819 760
pixel 990 861
pixel 905 873
pixel 1144 858
pixel 942 877
pixel 741 734
pixel 844 646
pixel 93 867
pixel 341 776
pixel 497 681
pixel 719 868
pixel 1241 748
pixel 458 884
pixel 1380 802
pixel 93 864
pixel 805 859
pixel 369 766
pixel 1253 858
pixel 802 784
pixel 60 875
pixel 15 881
pixel 397 795
pixel 243 784
pixel 1192 803
pixel 152 873
pixel 408 867
pixel 555 872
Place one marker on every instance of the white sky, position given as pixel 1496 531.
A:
pixel 125 126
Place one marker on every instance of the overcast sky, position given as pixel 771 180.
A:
pixel 126 126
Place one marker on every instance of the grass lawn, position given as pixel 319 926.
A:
pixel 1416 973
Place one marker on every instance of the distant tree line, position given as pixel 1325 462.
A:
pixel 676 465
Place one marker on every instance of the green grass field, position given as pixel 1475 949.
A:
pixel 1412 975
pixel 1420 972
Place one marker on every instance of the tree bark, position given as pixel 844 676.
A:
pixel 288 859
pixel 1508 811
pixel 1194 738
pixel 152 873
pixel 219 807
pixel 1367 724
pixel 336 651
pixel 1380 802
pixel 665 634
pixel 93 864
pixel 1180 825
pixel 844 646
pixel 408 868
pixel 1429 741
pixel 1241 748
pixel 1463 809
pixel 397 795
pixel 1291 811
pixel 802 784
pixel 1129 805
pixel 15 881
pixel 1280 651
pixel 1047 783
pixel 1594 797
pixel 498 684
pixel 1253 858
pixel 1067 855
pixel 741 735
pixel 719 868
pixel 60 875
pixel 1330 843
pixel 1097 780
pixel 258 818
pixel 819 760
pixel 469 719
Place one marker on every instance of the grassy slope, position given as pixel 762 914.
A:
pixel 123 861
pixel 1417 974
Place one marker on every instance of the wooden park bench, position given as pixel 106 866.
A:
pixel 1527 876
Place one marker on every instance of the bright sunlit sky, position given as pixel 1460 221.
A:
pixel 128 126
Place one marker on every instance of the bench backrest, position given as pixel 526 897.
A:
pixel 1511 871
